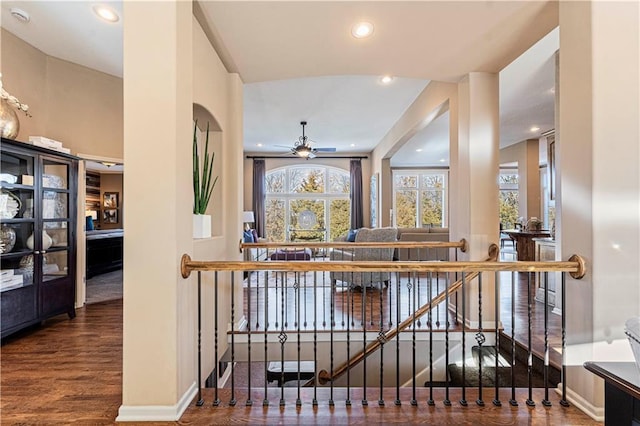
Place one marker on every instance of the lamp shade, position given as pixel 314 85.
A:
pixel 247 217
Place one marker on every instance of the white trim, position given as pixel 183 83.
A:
pixel 150 413
pixel 222 381
pixel 596 413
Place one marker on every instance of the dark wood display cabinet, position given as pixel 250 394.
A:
pixel 38 205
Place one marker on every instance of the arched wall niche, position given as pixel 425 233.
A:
pixel 202 116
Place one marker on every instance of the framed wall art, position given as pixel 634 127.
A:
pixel 110 200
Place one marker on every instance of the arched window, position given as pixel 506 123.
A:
pixel 307 203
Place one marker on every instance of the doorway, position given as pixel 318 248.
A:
pixel 104 216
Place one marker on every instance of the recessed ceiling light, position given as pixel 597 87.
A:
pixel 552 90
pixel 259 144
pixel 353 144
pixel 106 13
pixel 534 129
pixel 362 30
pixel 442 160
pixel 386 79
pixel 419 150
pixel 20 15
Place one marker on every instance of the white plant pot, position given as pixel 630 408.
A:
pixel 201 226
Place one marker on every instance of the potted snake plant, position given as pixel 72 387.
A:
pixel 203 184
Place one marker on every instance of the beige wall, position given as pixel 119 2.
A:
pixel 113 182
pixel 527 155
pixel 160 341
pixel 431 103
pixel 78 106
pixel 598 204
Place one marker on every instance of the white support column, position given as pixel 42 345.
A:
pixel 477 179
pixel 158 337
pixel 598 184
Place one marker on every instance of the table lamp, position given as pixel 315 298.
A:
pixel 247 218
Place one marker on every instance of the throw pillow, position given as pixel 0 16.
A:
pixel 351 236
pixel 255 235
pixel 248 237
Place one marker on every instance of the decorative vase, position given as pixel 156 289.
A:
pixel 46 241
pixel 7 238
pixel 9 123
pixel 201 226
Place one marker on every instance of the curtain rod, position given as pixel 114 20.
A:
pixel 351 157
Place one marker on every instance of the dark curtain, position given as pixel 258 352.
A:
pixel 357 216
pixel 258 195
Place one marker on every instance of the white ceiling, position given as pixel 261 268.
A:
pixel 277 46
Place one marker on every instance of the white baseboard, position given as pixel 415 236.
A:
pixel 150 413
pixel 596 413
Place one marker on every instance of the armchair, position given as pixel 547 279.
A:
pixel 359 279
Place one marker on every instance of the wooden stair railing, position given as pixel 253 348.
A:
pixel 324 376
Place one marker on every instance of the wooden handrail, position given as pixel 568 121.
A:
pixel 462 245
pixel 324 376
pixel 575 266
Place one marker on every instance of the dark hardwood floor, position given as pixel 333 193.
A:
pixel 70 371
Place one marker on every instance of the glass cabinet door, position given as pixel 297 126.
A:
pixel 53 241
pixel 17 221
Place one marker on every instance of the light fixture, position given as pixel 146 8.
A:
pixel 442 160
pixel 20 15
pixel 362 30
pixel 386 79
pixel 107 13
pixel 419 150
pixel 108 163
pixel 534 128
pixel 303 151
pixel 247 218
pixel 353 144
pixel 259 144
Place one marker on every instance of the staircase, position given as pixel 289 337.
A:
pixel 486 358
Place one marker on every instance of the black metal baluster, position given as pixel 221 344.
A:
pixel 546 401
pixel 463 400
pixel 349 323
pixel 414 401
pixel 314 402
pixel 480 339
pixel 282 337
pixel 398 320
pixel 430 401
pixel 249 401
pixel 364 344
pixel 530 402
pixel 563 317
pixel 233 401
pixel 297 292
pixel 200 400
pixel 513 401
pixel 265 400
pixel 216 400
pixel 496 400
pixel 438 305
pixel 447 401
pixel 382 339
pixel 332 325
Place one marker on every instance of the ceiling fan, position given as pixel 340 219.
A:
pixel 302 147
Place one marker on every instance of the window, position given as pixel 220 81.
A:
pixel 420 198
pixel 508 181
pixel 307 203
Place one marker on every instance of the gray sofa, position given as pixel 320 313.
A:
pixel 422 235
pixel 360 279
